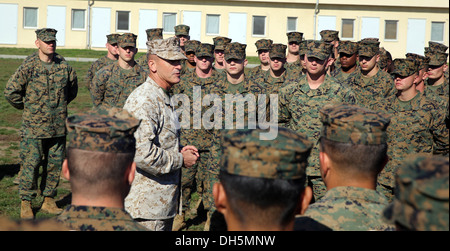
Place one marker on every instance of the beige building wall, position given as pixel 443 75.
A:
pixel 276 13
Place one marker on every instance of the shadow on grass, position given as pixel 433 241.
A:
pixel 9 170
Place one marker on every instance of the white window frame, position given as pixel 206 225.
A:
pixel 165 31
pixel 71 19
pixel 117 20
pixel 253 26
pixel 287 24
pixel 37 18
pixel 218 28
pixel 443 31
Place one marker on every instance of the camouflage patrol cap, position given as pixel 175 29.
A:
pixel 405 67
pixel 302 48
pixel 112 38
pixel 191 46
pixel 127 39
pixel 102 130
pixel 46 34
pixel 278 51
pixel 263 44
pixel 435 46
pixel 295 37
pixel 245 153
pixel 348 47
pixel 423 61
pixel 437 58
pixel 155 33
pixel 421 200
pixel 205 50
pixel 235 51
pixel 347 123
pixel 221 42
pixel 182 29
pixel 318 49
pixel 329 35
pixel 368 47
pixel 384 58
pixel 168 49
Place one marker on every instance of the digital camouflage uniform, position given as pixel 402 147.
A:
pixel 101 62
pixel 190 46
pixel 261 154
pixel 221 88
pixel 100 130
pixel 152 34
pixel 112 84
pixel 43 94
pixel 297 65
pixel 273 85
pixel 261 45
pixel 347 47
pixel 370 91
pixel 299 107
pixel 219 44
pixel 421 202
pixel 155 192
pixel 417 126
pixel 196 135
pixel 351 208
pixel 438 56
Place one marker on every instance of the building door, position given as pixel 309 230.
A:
pixel 325 23
pixel 370 27
pixel 148 19
pixel 56 19
pixel 8 21
pixel 194 20
pixel 415 40
pixel 101 26
pixel 237 27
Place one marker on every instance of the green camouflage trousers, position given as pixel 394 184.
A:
pixel 192 178
pixel 48 153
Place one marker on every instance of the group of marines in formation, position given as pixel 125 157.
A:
pixel 305 75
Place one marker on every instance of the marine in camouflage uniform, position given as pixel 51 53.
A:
pixel 294 41
pixel 370 85
pixel 219 47
pixel 351 204
pixel 188 65
pixel 197 135
pixel 111 57
pixel 277 76
pixel 348 53
pixel 262 48
pixel 106 133
pixel 299 106
pixel 113 83
pixel 154 196
pixel 332 37
pixel 182 33
pixel 152 34
pixel 234 55
pixel 43 91
pixel 277 159
pixel 421 202
pixel 438 82
pixel 417 124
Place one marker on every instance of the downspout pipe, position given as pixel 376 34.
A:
pixel 88 35
pixel 316 11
